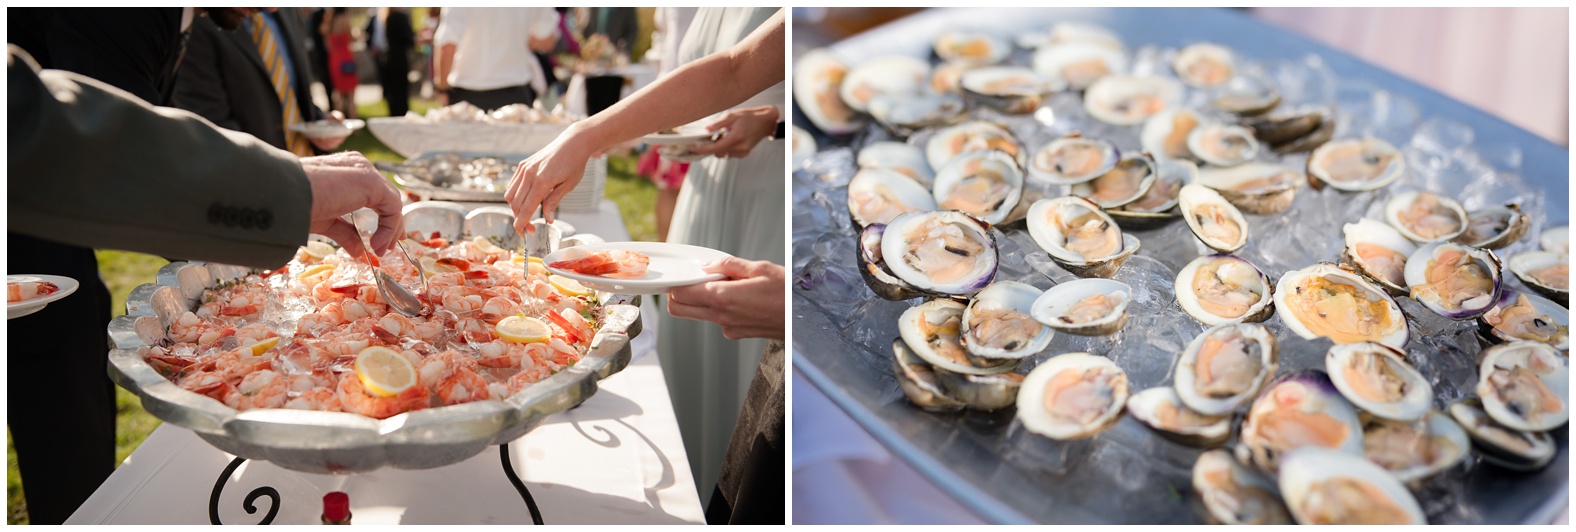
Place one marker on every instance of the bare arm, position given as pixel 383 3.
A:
pixel 694 91
pixel 442 63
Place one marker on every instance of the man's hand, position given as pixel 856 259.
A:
pixel 748 303
pixel 746 128
pixel 544 179
pixel 343 183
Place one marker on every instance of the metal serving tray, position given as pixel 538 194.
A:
pixel 338 442
pixel 1010 476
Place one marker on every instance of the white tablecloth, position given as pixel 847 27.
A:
pixel 616 459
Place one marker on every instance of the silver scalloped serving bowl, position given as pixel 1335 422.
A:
pixel 339 442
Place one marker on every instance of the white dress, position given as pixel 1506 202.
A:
pixel 736 206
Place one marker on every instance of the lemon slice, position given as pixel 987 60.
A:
pixel 315 274
pixel 262 347
pixel 317 249
pixel 520 329
pixel 384 372
pixel 536 268
pixel 432 266
pixel 486 246
pixel 567 286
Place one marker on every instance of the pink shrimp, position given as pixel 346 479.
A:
pixel 262 389
pixel 353 398
pixel 527 377
pixel 497 308
pixel 434 369
pixel 462 385
pixel 607 263
pixel 461 299
pixel 26 290
pixel 324 399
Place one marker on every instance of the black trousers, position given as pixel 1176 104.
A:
pixel 394 75
pixel 602 92
pixel 492 99
pixel 61 403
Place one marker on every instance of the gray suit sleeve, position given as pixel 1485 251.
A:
pixel 92 166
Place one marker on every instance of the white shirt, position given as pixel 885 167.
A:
pixel 492 50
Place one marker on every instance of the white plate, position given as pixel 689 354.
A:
pixel 683 136
pixel 22 308
pixel 329 128
pixel 672 266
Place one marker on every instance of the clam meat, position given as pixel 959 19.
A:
pixel 881 76
pixel 1216 222
pixel 1126 100
pixel 985 184
pixel 1355 164
pixel 1425 217
pixel 1455 281
pixel 1325 300
pixel 876 196
pixel 1205 65
pixel 1221 289
pixel 1073 159
pixel 1377 379
pixel 1527 317
pixel 1222 144
pixel 1235 495
pixel 1225 367
pixel 898 157
pixel 967 137
pixel 1086 307
pixel 1525 386
pixel 1379 252
pixel 934 331
pixel 816 81
pixel 1165 135
pixel 997 323
pixel 1125 183
pixel 1414 450
pixel 1161 410
pixel 947 253
pixel 1494 227
pixel 1324 487
pixel 975 48
pixel 1301 409
pixel 1078 65
pixel 1079 236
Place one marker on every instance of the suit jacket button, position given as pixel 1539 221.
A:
pixel 248 217
pixel 265 219
pixel 231 217
pixel 215 214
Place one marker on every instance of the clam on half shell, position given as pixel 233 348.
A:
pixel 1234 494
pixel 1165 135
pixel 946 253
pixel 1425 217
pixel 1158 206
pixel 1325 300
pixel 1161 410
pixel 1079 236
pixel 1355 165
pixel 1126 100
pixel 1455 281
pixel 1495 227
pixel 883 75
pixel 918 380
pixel 873 268
pixel 1072 396
pixel 1011 90
pixel 1415 450
pixel 1205 65
pixel 975 135
pixel 1086 307
pixel 1213 219
pixel 1073 159
pixel 1254 188
pixel 1221 289
pixel 877 196
pixel 1379 252
pixel 816 81
pixel 985 184
pixel 1522 316
pixel 998 322
pixel 1299 410
pixel 899 157
pixel 1547 272
pixel 972 47
pixel 1225 366
pixel 1525 386
pixel 934 330
pixel 1129 180
pixel 1376 378
pixel 1079 65
pixel 1222 144
pixel 1325 487
pixel 1505 447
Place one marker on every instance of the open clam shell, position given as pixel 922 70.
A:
pixel 1379 252
pixel 1161 410
pixel 1079 236
pixel 947 253
pixel 1158 206
pixel 982 392
pixel 1455 281
pixel 999 322
pixel 1011 90
pixel 985 184
pixel 1300 409
pixel 1521 316
pixel 1315 482
pixel 1556 239
pixel 1126 100
pixel 1125 183
pixel 1547 272
pixel 1525 386
pixel 1415 450
pixel 1222 144
pixel 975 135
pixel 1225 366
pixel 1376 378
pixel 933 330
pixel 893 74
pixel 904 113
pixel 1425 217
pixel 1249 96
pixel 972 47
pixel 1355 165
pixel 1073 159
pixel 918 380
pixel 1086 307
pixel 1205 65
pixel 876 196
pixel 1079 64
pixel 899 157
pixel 1495 226
pixel 1234 494
pixel 818 76
pixel 1502 446
pixel 1213 219
pixel 1165 135
pixel 873 268
pixel 1325 300
pixel 1254 188
pixel 1072 396
pixel 1222 289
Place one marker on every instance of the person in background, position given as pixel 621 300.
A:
pixel 667 175
pixel 341 61
pixel 390 38
pixel 618 26
pixel 484 55
pixel 255 80
pixel 319 54
pixel 734 58
pixel 424 51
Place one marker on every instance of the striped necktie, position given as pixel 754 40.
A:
pixel 268 49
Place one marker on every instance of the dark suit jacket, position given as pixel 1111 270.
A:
pixel 401 38
pixel 134 49
pixel 224 80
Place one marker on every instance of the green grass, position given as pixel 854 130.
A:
pixel 123 271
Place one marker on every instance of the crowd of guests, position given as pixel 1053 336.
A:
pixel 196 108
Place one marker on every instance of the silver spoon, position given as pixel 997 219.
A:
pixel 398 298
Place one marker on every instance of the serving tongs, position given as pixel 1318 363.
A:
pixel 393 293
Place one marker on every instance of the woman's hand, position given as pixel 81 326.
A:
pixel 746 127
pixel 748 303
pixel 544 179
pixel 328 144
pixel 341 184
